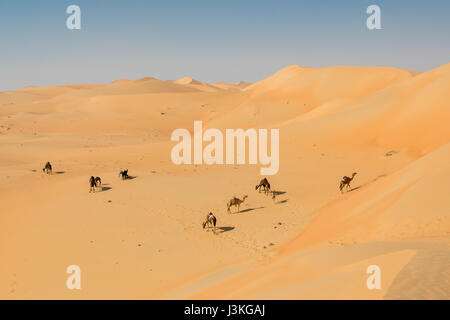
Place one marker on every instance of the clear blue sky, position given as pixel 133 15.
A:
pixel 212 40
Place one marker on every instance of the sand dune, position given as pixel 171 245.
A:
pixel 195 84
pixel 319 85
pixel 397 117
pixel 295 91
pixel 232 86
pixel 142 238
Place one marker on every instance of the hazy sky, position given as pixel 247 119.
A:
pixel 212 40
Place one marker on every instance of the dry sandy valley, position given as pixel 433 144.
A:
pixel 142 238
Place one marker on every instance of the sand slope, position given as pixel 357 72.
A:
pixel 295 91
pixel 241 85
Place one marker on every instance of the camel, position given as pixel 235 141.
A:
pixel 124 174
pixel 98 181
pixel 235 202
pixel 48 168
pixel 264 183
pixel 92 184
pixel 346 181
pixel 210 222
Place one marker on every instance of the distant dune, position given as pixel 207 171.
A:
pixel 241 85
pixel 195 84
pixel 310 242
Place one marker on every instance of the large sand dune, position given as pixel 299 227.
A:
pixel 142 238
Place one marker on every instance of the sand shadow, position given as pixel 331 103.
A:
pixel 391 153
pixel 380 176
pixel 130 178
pixel 249 209
pixel 103 189
pixel 224 229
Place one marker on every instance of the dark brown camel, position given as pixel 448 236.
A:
pixel 124 174
pixel 264 183
pixel 98 181
pixel 48 168
pixel 346 182
pixel 210 222
pixel 92 184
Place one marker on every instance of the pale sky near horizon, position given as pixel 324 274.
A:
pixel 212 40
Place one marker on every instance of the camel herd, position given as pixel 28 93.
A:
pixel 211 220
pixel 94 182
pixel 264 186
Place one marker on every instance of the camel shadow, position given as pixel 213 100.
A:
pixel 130 178
pixel 380 176
pixel 391 153
pixel 103 189
pixel 282 201
pixel 224 229
pixel 59 172
pixel 249 209
pixel 353 189
pixel 277 193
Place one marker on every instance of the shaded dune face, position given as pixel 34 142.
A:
pixel 311 241
pixel 300 92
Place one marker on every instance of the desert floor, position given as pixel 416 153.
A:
pixel 142 238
